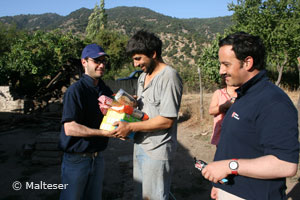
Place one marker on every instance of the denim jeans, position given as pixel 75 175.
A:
pixel 152 178
pixel 84 176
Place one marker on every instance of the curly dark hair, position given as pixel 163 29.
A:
pixel 143 42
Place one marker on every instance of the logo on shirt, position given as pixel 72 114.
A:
pixel 235 115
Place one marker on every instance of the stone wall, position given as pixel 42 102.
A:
pixel 10 102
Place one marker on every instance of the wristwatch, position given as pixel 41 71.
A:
pixel 233 166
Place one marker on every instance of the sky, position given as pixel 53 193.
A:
pixel 173 8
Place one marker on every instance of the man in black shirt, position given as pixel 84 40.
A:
pixel 259 145
pixel 80 138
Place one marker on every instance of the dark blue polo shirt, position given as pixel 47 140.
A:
pixel 262 121
pixel 80 104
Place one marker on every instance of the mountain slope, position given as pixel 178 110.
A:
pixel 127 19
pixel 183 39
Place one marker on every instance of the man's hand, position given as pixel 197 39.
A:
pixel 123 129
pixel 216 171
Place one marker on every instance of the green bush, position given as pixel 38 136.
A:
pixel 35 58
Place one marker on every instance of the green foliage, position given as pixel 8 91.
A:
pixel 8 35
pixel 180 36
pixel 97 21
pixel 182 39
pixel 125 71
pixel 277 22
pixel 189 75
pixel 103 15
pixel 115 46
pixel 172 51
pixel 209 64
pixel 113 42
pixel 34 22
pixel 126 20
pixel 75 22
pixel 187 50
pixel 35 58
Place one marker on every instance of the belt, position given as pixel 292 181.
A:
pixel 88 154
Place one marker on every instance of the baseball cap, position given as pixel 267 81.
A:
pixel 92 51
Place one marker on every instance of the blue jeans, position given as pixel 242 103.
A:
pixel 152 178
pixel 84 176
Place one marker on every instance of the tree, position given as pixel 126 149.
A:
pixel 35 58
pixel 9 36
pixel 114 45
pixel 209 63
pixel 277 22
pixel 97 20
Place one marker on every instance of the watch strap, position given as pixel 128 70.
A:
pixel 234 172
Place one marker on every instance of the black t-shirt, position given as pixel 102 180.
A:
pixel 262 121
pixel 80 104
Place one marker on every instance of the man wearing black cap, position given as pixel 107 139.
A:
pixel 81 140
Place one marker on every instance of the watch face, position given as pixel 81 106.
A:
pixel 233 165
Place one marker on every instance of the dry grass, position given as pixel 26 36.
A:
pixel 190 110
pixel 294 95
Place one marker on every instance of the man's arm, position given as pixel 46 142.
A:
pixel 156 123
pixel 265 167
pixel 77 130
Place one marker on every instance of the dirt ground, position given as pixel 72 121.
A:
pixel 19 131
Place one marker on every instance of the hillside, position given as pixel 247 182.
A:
pixel 123 18
pixel 133 18
pixel 183 38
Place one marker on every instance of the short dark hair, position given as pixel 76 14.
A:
pixel 244 45
pixel 143 42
